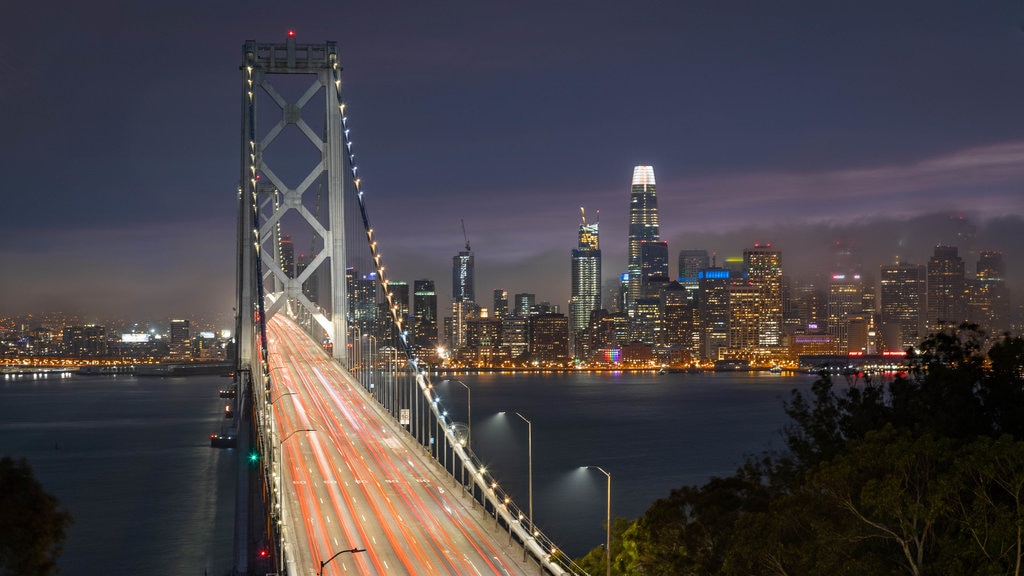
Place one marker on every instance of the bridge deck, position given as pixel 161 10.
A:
pixel 352 478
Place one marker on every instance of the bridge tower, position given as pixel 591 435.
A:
pixel 266 195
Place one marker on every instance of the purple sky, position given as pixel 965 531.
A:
pixel 796 123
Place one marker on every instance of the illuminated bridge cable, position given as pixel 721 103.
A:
pixel 393 309
pixel 547 548
pixel 251 136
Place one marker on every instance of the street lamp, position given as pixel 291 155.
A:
pixel 529 427
pixel 328 561
pixel 608 524
pixel 469 413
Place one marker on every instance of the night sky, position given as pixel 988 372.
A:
pixel 878 123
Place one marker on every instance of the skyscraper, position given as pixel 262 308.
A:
pixel 764 271
pixel 947 303
pixel 462 277
pixel 585 281
pixel 643 226
pixel 424 313
pixel 653 267
pixel 990 299
pixel 691 262
pixel 500 303
pixel 902 299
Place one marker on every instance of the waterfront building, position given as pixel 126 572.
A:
pixel 845 304
pixel 180 341
pixel 515 335
pixel 88 341
pixel 744 318
pixel 902 289
pixel 763 265
pixel 549 339
pixel 646 326
pixel 585 282
pixel 677 316
pixel 947 289
pixel 643 227
pixel 424 313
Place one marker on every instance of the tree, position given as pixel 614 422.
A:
pixel 32 522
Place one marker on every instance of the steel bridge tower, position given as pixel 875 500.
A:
pixel 271 188
pixel 265 197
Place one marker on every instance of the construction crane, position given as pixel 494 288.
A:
pixel 464 235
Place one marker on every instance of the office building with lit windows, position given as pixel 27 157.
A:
pixel 585 282
pixel 643 227
pixel 764 272
pixel 424 314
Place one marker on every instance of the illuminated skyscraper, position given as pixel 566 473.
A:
pixel 947 288
pixel 845 305
pixel 691 262
pixel 424 314
pixel 713 311
pixel 643 226
pixel 764 272
pixel 585 281
pixel 462 277
pixel 902 300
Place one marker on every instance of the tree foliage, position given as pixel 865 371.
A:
pixel 921 474
pixel 32 522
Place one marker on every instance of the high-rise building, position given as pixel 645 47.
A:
pixel 990 298
pixel 87 341
pixel 745 317
pixel 764 271
pixel 585 281
pixel 400 299
pixel 643 226
pixel 180 339
pixel 947 289
pixel 691 262
pixel 845 305
pixel 902 288
pixel 524 302
pixel 549 339
pixel 462 277
pixel 362 300
pixel 677 317
pixel 653 268
pixel 424 313
pixel 713 311
pixel 500 303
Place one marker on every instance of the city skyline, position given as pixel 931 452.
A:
pixel 760 126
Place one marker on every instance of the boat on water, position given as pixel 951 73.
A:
pixel 222 440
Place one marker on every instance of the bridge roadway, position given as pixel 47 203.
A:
pixel 354 479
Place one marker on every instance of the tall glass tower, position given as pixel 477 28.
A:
pixel 586 281
pixel 643 227
pixel 462 277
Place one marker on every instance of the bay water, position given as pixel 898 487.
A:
pixel 130 457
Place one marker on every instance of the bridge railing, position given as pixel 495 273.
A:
pixel 481 485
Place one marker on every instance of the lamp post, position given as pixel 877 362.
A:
pixel 608 523
pixel 328 561
pixel 529 427
pixel 469 413
pixel 278 491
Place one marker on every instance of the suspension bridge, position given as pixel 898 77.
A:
pixel 353 464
